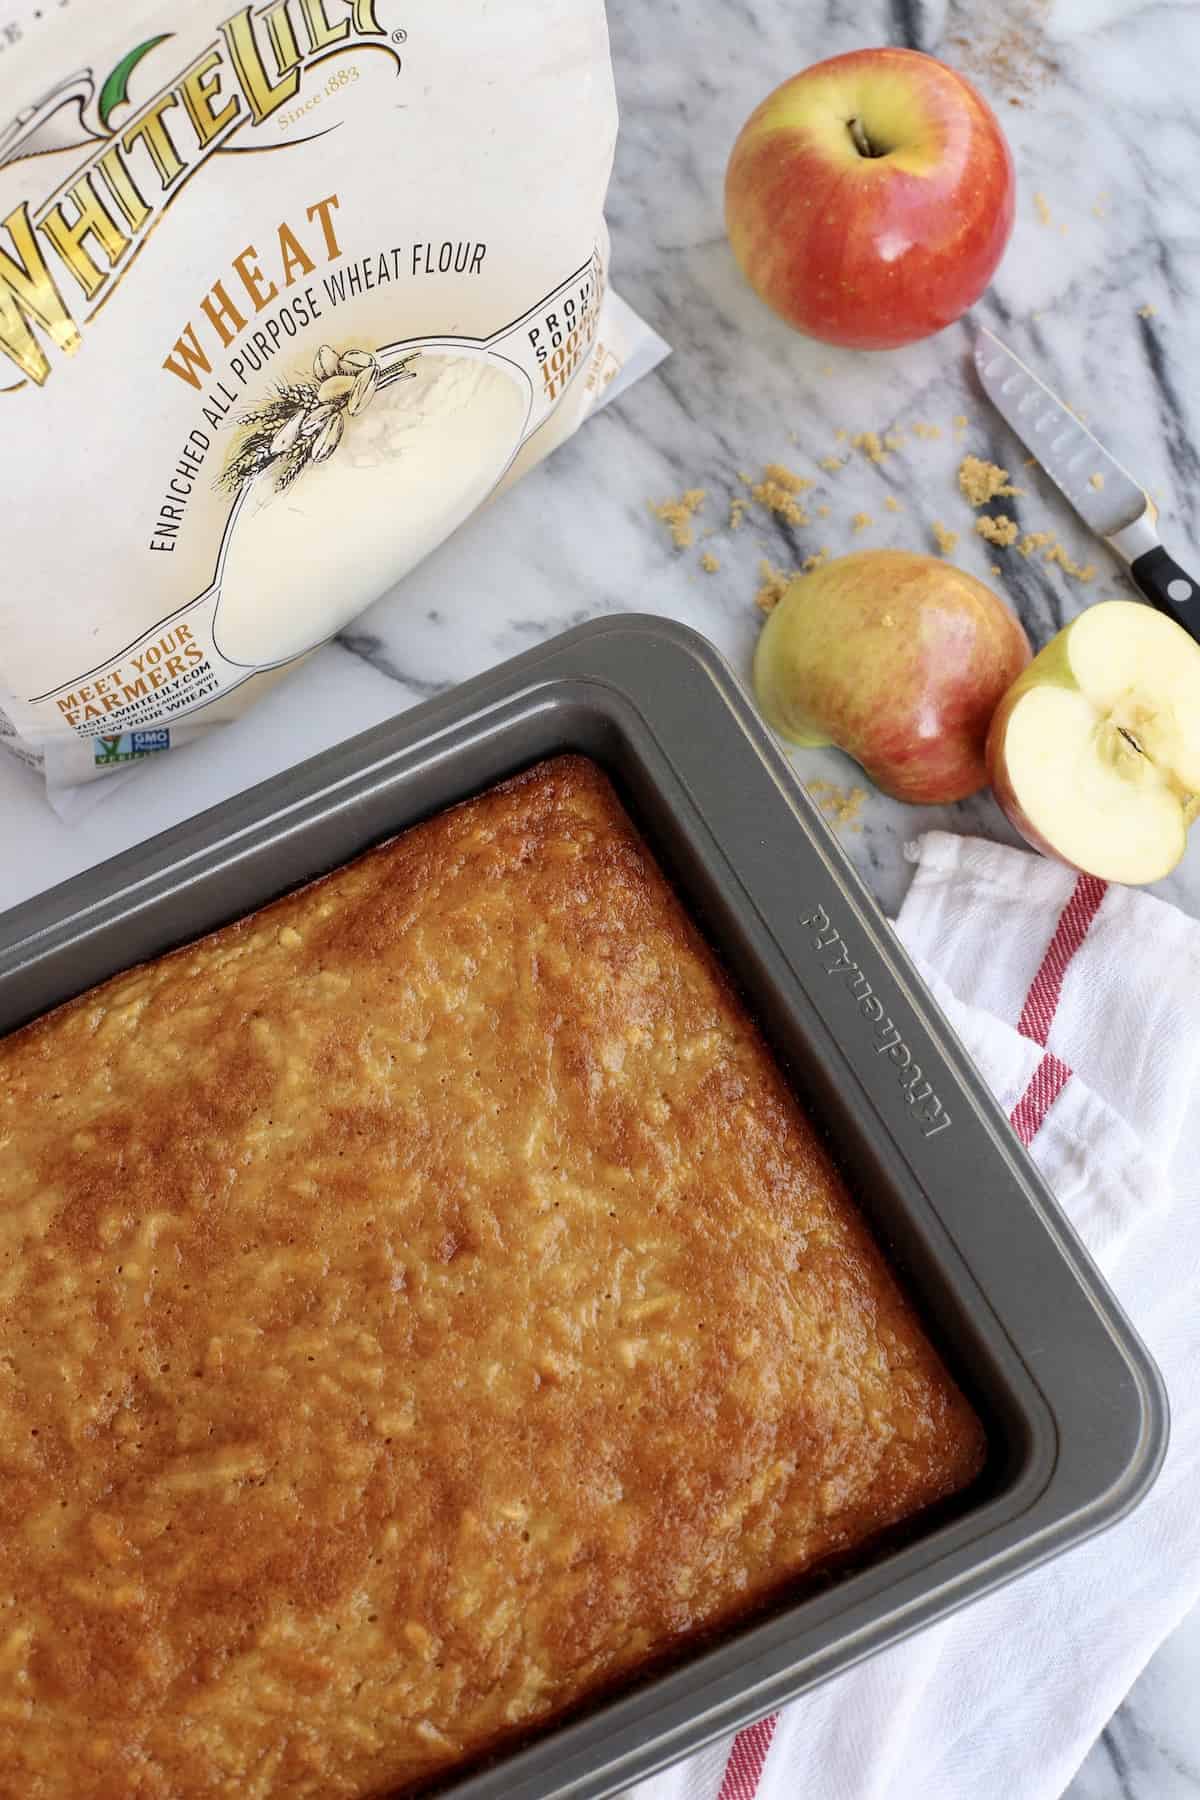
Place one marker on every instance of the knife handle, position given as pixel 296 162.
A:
pixel 1166 586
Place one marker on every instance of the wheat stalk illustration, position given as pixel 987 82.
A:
pixel 303 422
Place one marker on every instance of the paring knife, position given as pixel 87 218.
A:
pixel 1115 507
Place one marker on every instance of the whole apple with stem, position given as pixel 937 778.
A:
pixel 898 659
pixel 1094 753
pixel 869 199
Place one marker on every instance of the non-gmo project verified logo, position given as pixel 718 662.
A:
pixel 129 747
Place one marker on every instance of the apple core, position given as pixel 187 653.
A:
pixel 1095 752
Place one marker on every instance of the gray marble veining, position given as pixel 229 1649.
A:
pixel 1151 1749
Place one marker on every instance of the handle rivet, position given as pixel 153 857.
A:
pixel 1179 590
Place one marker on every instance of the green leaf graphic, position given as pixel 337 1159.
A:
pixel 115 91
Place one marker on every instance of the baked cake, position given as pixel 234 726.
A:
pixel 422 1304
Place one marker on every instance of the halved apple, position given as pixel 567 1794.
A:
pixel 1094 752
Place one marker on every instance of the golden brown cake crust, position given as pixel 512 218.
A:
pixel 421 1302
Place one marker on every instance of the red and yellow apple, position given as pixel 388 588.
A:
pixel 869 199
pixel 1094 753
pixel 898 659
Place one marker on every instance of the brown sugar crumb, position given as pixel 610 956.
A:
pixel 982 481
pixel 959 421
pixel 841 434
pixel 892 504
pixel 777 493
pixel 787 478
pixel 814 561
pixel 1031 462
pixel 893 440
pixel 745 477
pixel 861 520
pixel 1042 207
pixel 944 538
pixel 922 429
pixel 1001 531
pixel 738 508
pixel 773 585
pixel 677 515
pixel 841 806
pixel 1077 571
pixel 833 462
pixel 1053 552
pixel 1147 311
pixel 710 563
pixel 785 506
pixel 996 569
pixel 823 511
pixel 1008 48
pixel 871 445
pixel 1096 480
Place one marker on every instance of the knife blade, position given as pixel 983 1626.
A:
pixel 1105 495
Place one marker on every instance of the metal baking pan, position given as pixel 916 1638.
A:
pixel 1075 1408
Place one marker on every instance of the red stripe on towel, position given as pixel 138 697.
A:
pixel 1045 1085
pixel 746 1760
pixel 1041 1003
pixel 1045 990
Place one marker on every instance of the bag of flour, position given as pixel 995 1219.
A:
pixel 287 291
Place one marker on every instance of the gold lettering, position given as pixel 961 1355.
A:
pixel 200 89
pixel 92 220
pixel 150 130
pixel 296 259
pixel 92 225
pixel 217 307
pixel 282 35
pixel 28 295
pixel 122 188
pixel 365 22
pixel 187 357
pixel 262 94
pixel 322 210
pixel 253 278
pixel 321 30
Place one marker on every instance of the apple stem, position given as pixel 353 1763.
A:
pixel 862 142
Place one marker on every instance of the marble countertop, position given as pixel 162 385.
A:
pixel 1098 291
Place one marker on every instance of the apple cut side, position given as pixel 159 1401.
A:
pixel 1094 753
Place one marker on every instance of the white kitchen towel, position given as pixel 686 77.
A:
pixel 1081 1005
